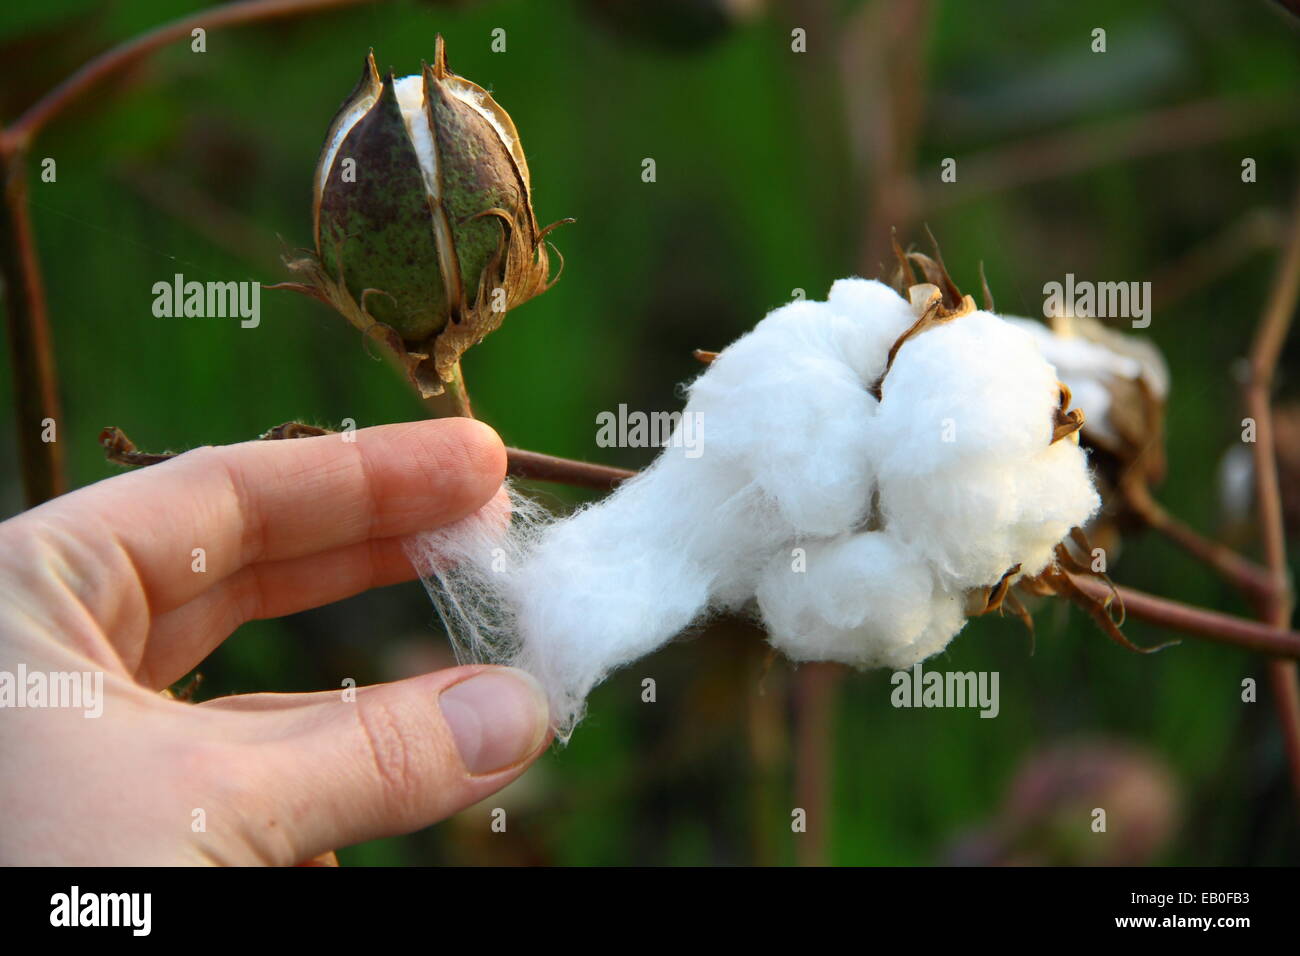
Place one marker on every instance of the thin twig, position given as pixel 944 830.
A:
pixel 1274 324
pixel 122 56
pixel 581 474
pixel 1215 257
pixel 1251 579
pixel 1060 154
pixel 458 394
pixel 1196 621
pixel 816 694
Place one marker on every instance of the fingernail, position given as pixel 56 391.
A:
pixel 497 718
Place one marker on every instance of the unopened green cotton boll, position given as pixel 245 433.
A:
pixel 423 219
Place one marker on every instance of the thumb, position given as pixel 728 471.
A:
pixel 396 757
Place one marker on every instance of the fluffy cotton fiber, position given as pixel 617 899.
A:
pixel 853 526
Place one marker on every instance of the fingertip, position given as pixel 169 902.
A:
pixel 483 447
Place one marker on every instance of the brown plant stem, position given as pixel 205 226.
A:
pixel 816 692
pixel 1274 324
pixel 458 394
pixel 1197 621
pixel 563 471
pixel 1254 581
pixel 31 353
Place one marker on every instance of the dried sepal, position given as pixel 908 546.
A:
pixel 1056 580
pixel 929 302
pixel 120 450
pixel 1066 421
pixel 984 286
pixel 990 599
pixel 903 275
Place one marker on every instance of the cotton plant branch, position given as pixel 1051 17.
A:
pixel 1271 333
pixel 1255 582
pixel 37 408
pixel 112 62
pixel 1186 618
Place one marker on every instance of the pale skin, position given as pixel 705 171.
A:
pixel 103 580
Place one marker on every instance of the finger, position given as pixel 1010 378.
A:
pixel 182 637
pixel 260 501
pixel 396 758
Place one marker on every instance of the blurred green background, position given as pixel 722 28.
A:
pixel 776 170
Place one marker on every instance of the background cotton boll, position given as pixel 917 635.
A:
pixel 1092 361
pixel 862 599
pixel 974 387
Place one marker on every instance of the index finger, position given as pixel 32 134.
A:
pixel 182 526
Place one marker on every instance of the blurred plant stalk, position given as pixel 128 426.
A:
pixel 31 351
pixel 1279 604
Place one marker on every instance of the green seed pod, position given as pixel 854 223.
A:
pixel 423 219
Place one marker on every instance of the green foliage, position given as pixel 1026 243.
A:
pixel 755 195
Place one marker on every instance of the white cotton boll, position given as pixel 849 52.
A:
pixel 957 519
pixel 861 599
pixel 901 505
pixel 975 387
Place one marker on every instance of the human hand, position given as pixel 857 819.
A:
pixel 102 581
